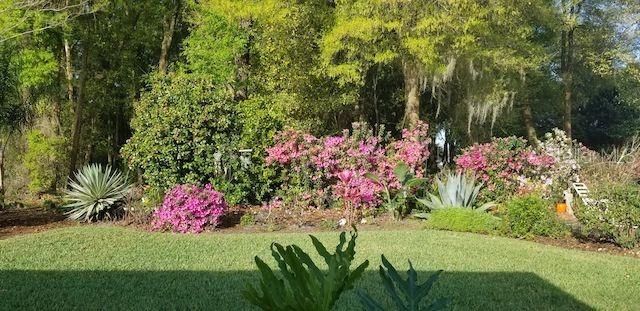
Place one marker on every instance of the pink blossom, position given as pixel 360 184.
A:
pixel 189 208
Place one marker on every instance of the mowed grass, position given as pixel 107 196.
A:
pixel 104 267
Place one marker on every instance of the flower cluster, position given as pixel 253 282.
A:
pixel 507 165
pixel 566 153
pixel 189 208
pixel 319 171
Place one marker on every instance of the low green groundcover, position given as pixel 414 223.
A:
pixel 104 267
pixel 463 220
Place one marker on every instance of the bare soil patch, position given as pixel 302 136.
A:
pixel 14 221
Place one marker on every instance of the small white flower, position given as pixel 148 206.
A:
pixel 363 221
pixel 342 222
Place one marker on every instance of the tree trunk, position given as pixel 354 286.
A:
pixel 68 70
pixel 567 79
pixel 412 95
pixel 3 147
pixel 528 123
pixel 243 64
pixel 169 26
pixel 78 112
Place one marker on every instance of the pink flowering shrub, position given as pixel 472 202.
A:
pixel 507 166
pixel 321 171
pixel 189 208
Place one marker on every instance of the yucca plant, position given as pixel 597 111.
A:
pixel 459 190
pixel 95 193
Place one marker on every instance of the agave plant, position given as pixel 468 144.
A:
pixel 459 190
pixel 95 193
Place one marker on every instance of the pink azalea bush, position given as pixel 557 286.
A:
pixel 319 171
pixel 189 209
pixel 507 166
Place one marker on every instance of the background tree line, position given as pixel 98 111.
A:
pixel 195 89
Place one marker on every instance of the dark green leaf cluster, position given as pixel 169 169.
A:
pixel 304 286
pixel 407 295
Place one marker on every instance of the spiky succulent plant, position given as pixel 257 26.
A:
pixel 459 190
pixel 96 192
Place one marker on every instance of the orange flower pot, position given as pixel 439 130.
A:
pixel 561 208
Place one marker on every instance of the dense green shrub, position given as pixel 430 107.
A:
pixel 616 218
pixel 45 161
pixel 463 220
pixel 530 215
pixel 186 132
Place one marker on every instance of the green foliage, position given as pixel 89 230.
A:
pixel 411 293
pixel 398 201
pixel 247 219
pixel 530 215
pixel 459 191
pixel 214 58
pixel 185 132
pixel 36 68
pixel 96 193
pixel 463 220
pixel 45 159
pixel 615 217
pixel 304 286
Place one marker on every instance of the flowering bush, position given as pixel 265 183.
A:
pixel 189 208
pixel 565 152
pixel 320 171
pixel 507 165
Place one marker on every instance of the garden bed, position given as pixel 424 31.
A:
pixel 14 221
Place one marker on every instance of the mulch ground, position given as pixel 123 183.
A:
pixel 15 221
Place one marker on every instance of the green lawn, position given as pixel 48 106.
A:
pixel 102 267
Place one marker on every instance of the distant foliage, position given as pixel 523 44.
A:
pixel 45 160
pixel 616 218
pixel 463 220
pixel 507 166
pixel 96 193
pixel 301 284
pixel 321 171
pixel 189 209
pixel 530 215
pixel 406 294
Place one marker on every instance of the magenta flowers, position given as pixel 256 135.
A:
pixel 189 209
pixel 337 165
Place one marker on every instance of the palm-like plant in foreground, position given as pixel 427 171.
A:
pixel 96 192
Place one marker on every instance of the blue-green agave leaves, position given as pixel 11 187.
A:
pixel 459 191
pixel 95 192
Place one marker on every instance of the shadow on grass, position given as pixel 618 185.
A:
pixel 136 290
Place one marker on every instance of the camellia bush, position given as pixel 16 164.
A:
pixel 507 166
pixel 186 130
pixel 190 209
pixel 330 170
